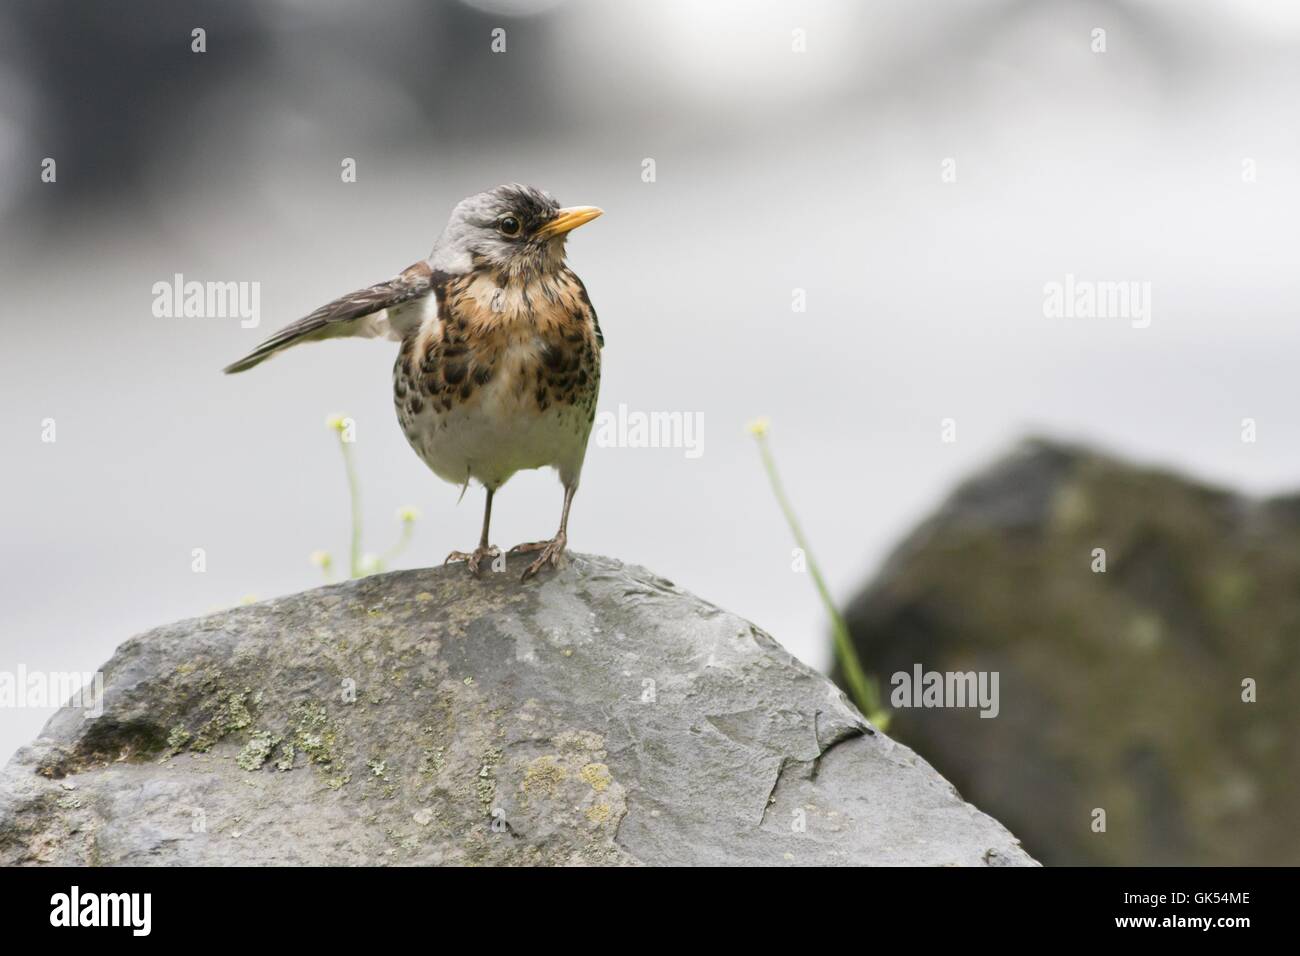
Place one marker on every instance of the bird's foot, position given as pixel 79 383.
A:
pixel 551 552
pixel 473 559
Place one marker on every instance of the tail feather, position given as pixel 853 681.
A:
pixel 355 314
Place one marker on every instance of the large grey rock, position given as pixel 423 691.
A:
pixel 601 716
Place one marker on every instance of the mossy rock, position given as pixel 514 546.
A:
pixel 598 716
pixel 1120 690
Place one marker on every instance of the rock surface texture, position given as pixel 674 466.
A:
pixel 1121 689
pixel 598 716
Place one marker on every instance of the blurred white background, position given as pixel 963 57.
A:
pixel 776 170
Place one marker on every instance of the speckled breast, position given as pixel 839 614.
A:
pixel 504 378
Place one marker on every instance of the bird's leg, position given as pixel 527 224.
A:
pixel 484 550
pixel 551 550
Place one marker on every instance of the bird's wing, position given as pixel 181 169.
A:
pixel 359 313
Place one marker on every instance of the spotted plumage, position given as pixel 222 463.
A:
pixel 499 365
pixel 504 377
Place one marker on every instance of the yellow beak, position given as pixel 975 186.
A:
pixel 568 219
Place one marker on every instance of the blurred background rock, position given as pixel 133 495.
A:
pixel 1120 689
pixel 776 171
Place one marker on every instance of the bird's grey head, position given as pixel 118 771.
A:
pixel 516 230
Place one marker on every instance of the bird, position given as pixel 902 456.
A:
pixel 498 370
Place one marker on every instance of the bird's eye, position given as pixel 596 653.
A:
pixel 509 226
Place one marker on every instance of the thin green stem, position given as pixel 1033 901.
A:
pixel 861 687
pixel 408 527
pixel 354 494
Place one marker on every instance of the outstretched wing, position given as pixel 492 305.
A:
pixel 358 313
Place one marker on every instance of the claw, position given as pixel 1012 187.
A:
pixel 473 559
pixel 530 546
pixel 551 553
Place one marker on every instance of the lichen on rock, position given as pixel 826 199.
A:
pixel 425 717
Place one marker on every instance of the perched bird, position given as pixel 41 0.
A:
pixel 499 365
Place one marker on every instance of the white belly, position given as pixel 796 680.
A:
pixel 498 432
